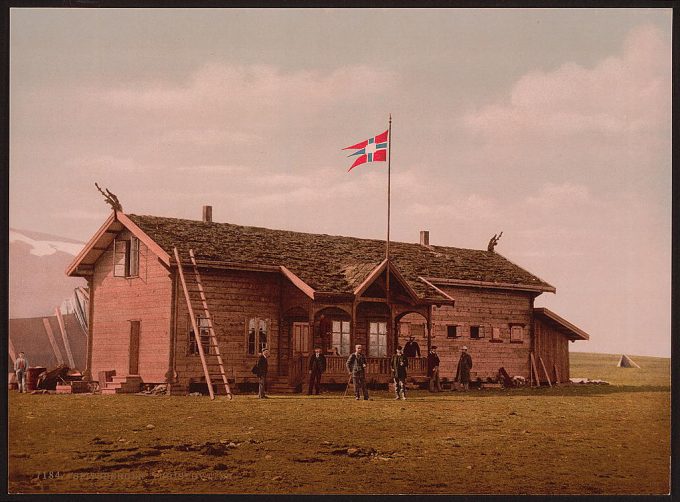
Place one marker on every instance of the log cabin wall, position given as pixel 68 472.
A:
pixel 494 312
pixel 234 297
pixel 553 348
pixel 120 300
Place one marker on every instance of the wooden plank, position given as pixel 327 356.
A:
pixel 194 325
pixel 545 371
pixel 53 342
pixel 534 370
pixel 557 374
pixel 64 337
pixel 12 352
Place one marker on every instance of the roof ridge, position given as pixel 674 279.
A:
pixel 431 248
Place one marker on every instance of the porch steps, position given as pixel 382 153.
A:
pixel 282 386
pixel 128 384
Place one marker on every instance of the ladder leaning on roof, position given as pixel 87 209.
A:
pixel 213 345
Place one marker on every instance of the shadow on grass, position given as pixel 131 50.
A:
pixel 560 390
pixel 567 390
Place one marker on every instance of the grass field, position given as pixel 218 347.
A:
pixel 566 440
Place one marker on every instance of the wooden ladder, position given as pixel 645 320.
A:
pixel 211 328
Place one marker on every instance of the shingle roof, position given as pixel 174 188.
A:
pixel 330 263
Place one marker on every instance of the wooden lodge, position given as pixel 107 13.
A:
pixel 292 291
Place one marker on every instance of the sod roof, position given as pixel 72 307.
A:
pixel 330 263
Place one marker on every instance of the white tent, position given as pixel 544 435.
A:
pixel 627 362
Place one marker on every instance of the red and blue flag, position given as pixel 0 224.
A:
pixel 370 150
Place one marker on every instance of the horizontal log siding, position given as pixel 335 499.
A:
pixel 488 309
pixel 233 298
pixel 117 300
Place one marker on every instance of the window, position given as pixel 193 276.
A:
pixel 340 339
pixel 417 330
pixel 517 333
pixel 126 258
pixel 204 329
pixel 377 339
pixel 496 334
pixel 476 332
pixel 452 331
pixel 257 336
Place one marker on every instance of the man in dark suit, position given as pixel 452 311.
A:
pixel 356 365
pixel 317 365
pixel 262 366
pixel 433 370
pixel 464 367
pixel 412 349
pixel 399 365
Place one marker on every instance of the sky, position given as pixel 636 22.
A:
pixel 551 125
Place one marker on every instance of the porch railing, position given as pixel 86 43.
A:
pixel 417 366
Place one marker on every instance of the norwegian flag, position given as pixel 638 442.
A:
pixel 370 150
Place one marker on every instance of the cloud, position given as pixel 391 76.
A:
pixel 553 195
pixel 624 94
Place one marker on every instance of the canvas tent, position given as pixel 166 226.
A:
pixel 627 362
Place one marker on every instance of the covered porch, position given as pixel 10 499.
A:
pixel 382 313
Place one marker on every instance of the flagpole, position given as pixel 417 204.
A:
pixel 387 250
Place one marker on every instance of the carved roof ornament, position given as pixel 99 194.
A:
pixel 110 198
pixel 493 241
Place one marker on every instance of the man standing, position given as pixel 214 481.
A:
pixel 433 370
pixel 262 367
pixel 412 349
pixel 317 365
pixel 464 367
pixel 20 367
pixel 356 366
pixel 399 365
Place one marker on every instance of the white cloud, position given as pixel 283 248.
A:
pixel 46 247
pixel 625 94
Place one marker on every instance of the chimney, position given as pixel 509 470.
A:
pixel 424 237
pixel 207 214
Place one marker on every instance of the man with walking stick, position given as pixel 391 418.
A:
pixel 356 366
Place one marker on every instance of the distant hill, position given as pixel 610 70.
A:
pixel 37 279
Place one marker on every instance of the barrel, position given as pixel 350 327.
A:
pixel 32 377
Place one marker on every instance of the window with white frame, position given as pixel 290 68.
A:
pixel 377 339
pixel 204 331
pixel 257 335
pixel 126 257
pixel 340 341
pixel 517 333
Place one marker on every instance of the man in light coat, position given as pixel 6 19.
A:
pixel 20 368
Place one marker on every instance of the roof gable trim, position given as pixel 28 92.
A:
pixel 299 283
pixel 117 216
pixel 576 333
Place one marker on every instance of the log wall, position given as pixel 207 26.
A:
pixel 488 309
pixel 233 297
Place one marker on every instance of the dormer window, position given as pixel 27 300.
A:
pixel 126 257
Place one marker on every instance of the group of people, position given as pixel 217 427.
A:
pixel 357 363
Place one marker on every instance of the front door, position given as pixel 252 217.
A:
pixel 300 338
pixel 134 347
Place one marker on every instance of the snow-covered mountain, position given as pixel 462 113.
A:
pixel 37 278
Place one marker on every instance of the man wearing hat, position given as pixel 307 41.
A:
pixel 464 367
pixel 433 370
pixel 399 365
pixel 356 366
